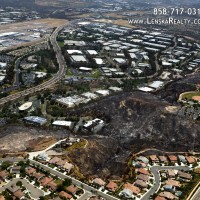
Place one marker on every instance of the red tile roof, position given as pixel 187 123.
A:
pixel 172 158
pixel 160 198
pixel 133 188
pixel 112 186
pixel 72 189
pixel 45 181
pixel 2 198
pixel 65 195
pixel 143 171
pixel 190 159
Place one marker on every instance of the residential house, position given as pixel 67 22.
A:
pixel 72 189
pixel 52 186
pixel 135 190
pixel 44 181
pixel 96 198
pixel 142 171
pixel 171 173
pixel 54 160
pixel 127 193
pixel 15 170
pixel 141 184
pixel 182 159
pixel 184 175
pixel 3 175
pixel 99 182
pixel 143 177
pixel 154 158
pixel 2 197
pixel 169 188
pixel 173 158
pixel 160 198
pixel 163 159
pixel 13 188
pixel 143 159
pixel 168 195
pixel 19 194
pixel 173 183
pixel 68 167
pixel 111 186
pixel 65 195
pixel 30 170
pixel 61 163
pixel 37 176
pixel 190 159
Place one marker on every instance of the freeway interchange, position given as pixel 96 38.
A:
pixel 57 77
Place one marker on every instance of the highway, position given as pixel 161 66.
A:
pixel 47 84
pixel 155 171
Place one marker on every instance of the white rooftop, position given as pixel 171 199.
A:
pixel 103 92
pixel 74 52
pixel 156 84
pixel 92 52
pixel 145 89
pixel 25 106
pixel 62 123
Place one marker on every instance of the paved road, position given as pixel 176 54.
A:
pixel 74 181
pixel 85 196
pixel 34 192
pixel 47 84
pixel 196 196
pixel 155 171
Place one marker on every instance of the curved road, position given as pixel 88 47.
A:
pixel 47 84
pixel 155 171
pixel 34 192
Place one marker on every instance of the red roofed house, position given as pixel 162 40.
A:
pixel 19 194
pixel 3 175
pixel 173 158
pixel 133 188
pixel 111 186
pixel 54 160
pixel 44 181
pixel 52 186
pixel 160 198
pixel 2 198
pixel 99 182
pixel 190 159
pixel 30 170
pixel 143 171
pixel 72 189
pixel 154 158
pixel 65 195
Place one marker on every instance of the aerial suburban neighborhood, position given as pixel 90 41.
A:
pixel 99 100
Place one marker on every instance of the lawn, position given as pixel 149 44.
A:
pixel 189 95
pixel 61 44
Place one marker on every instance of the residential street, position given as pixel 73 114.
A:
pixel 74 181
pixel 155 171
pixel 34 192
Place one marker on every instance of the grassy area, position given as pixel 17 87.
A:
pixel 190 95
pixel 61 44
pixel 69 72
pixel 188 187
pixel 96 74
pixel 77 145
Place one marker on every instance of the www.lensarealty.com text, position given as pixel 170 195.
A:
pixel 170 21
